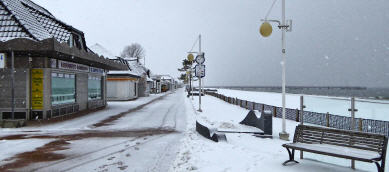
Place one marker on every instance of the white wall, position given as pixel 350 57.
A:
pixel 121 90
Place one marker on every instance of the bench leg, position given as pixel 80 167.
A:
pixel 379 168
pixel 291 157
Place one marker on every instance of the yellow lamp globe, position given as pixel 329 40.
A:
pixel 190 57
pixel 266 29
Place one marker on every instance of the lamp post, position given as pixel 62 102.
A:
pixel 266 31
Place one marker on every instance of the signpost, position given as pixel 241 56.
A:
pixel 200 70
pixel 2 60
pixel 200 53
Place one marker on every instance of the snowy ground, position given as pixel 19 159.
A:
pixel 156 133
pixel 368 109
pixel 244 152
pixel 142 138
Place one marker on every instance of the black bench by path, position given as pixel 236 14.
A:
pixel 359 146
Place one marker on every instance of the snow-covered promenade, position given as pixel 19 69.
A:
pixel 156 133
pixel 140 135
pixel 244 152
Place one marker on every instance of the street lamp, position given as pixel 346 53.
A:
pixel 265 31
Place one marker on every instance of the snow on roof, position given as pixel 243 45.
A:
pixel 100 50
pixel 137 67
pixel 166 77
pixel 123 72
pixel 25 19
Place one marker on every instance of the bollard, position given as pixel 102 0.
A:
pixel 360 124
pixel 327 119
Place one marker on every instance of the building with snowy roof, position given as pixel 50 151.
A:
pixel 56 73
pixel 130 84
pixel 166 82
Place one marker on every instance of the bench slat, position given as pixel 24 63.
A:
pixel 337 151
pixel 340 138
pixel 360 146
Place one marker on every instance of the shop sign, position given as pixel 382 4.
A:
pixel 53 63
pixel 96 70
pixel 37 89
pixel 2 60
pixel 72 66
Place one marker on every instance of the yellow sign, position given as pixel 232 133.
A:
pixel 265 29
pixel 37 89
pixel 190 57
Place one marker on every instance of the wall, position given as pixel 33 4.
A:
pixel 82 90
pixel 121 90
pixel 21 86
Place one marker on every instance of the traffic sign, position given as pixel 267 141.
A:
pixel 200 71
pixel 2 60
pixel 200 59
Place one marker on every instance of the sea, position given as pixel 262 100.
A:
pixel 358 92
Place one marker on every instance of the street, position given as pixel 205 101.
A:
pixel 140 135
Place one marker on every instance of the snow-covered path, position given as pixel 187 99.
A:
pixel 245 152
pixel 136 137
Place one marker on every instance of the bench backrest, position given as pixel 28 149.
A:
pixel 346 138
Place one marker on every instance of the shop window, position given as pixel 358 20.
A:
pixel 63 88
pixel 94 88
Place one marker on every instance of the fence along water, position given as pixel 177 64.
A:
pixel 322 119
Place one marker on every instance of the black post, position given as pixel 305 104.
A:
pixel 12 86
pixel 190 84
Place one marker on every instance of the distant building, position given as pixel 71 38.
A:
pixel 134 82
pixel 122 85
pixel 166 82
pixel 156 87
pixel 144 80
pixel 56 74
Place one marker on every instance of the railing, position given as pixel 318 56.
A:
pixel 322 119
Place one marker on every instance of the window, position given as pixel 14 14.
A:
pixel 63 88
pixel 94 88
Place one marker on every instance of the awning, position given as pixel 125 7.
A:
pixel 53 49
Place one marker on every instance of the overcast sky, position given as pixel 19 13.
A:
pixel 333 42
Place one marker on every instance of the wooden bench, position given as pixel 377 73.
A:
pixel 359 146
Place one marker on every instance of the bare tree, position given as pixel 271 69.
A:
pixel 134 50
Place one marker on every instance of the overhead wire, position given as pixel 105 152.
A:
pixel 194 44
pixel 268 12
